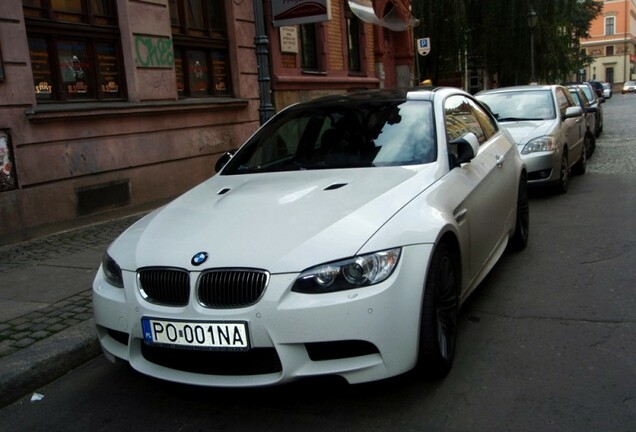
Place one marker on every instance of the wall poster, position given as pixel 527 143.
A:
pixel 7 170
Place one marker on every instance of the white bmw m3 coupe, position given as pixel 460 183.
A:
pixel 341 239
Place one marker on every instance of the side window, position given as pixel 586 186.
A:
pixel 486 121
pixel 564 101
pixel 460 119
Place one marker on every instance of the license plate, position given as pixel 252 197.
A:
pixel 222 335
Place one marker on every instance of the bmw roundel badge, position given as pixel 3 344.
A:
pixel 199 258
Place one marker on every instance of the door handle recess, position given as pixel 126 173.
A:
pixel 500 160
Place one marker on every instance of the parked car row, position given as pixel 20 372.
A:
pixel 595 102
pixel 555 127
pixel 342 238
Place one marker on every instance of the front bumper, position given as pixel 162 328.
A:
pixel 362 335
pixel 543 167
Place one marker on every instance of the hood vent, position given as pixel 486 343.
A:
pixel 223 191
pixel 335 186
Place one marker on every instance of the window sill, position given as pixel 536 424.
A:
pixel 75 110
pixel 313 72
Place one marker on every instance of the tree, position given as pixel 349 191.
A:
pixel 493 35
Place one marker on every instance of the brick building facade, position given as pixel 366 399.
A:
pixel 110 107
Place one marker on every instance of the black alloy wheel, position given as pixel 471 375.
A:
pixel 440 308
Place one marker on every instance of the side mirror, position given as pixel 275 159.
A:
pixel 223 160
pixel 573 111
pixel 464 149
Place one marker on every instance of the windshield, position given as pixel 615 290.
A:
pixel 341 134
pixel 520 105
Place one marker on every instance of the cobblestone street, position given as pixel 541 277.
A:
pixel 24 330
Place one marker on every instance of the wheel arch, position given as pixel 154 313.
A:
pixel 450 238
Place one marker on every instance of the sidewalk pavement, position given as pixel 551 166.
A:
pixel 46 314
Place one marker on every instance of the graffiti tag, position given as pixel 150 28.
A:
pixel 153 52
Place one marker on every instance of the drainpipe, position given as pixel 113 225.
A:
pixel 266 109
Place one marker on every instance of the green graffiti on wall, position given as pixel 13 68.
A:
pixel 153 52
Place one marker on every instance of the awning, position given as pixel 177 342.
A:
pixel 394 20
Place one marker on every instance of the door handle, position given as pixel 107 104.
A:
pixel 500 160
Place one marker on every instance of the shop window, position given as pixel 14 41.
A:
pixel 72 61
pixel 200 48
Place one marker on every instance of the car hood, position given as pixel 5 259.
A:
pixel 524 131
pixel 281 222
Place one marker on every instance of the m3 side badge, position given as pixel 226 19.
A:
pixel 199 258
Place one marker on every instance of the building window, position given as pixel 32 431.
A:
pixel 609 75
pixel 354 27
pixel 609 50
pixel 609 26
pixel 308 47
pixel 200 48
pixel 70 60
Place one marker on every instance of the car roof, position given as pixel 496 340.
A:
pixel 414 93
pixel 529 87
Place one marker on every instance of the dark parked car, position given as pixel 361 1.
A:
pixel 590 117
pixel 598 88
pixel 595 102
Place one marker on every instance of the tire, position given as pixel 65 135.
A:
pixel 581 165
pixel 438 320
pixel 519 239
pixel 592 145
pixel 564 175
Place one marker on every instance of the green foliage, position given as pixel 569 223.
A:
pixel 494 34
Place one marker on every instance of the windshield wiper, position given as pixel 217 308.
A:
pixel 519 119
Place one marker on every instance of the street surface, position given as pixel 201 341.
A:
pixel 547 343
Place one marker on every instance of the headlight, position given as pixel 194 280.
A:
pixel 356 272
pixel 112 271
pixel 541 144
